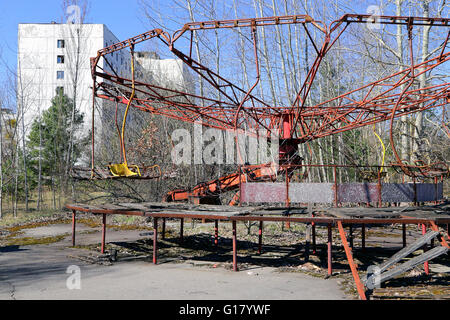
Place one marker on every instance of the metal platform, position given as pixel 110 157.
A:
pixel 427 216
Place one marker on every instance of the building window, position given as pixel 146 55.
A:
pixel 59 90
pixel 59 74
pixel 60 59
pixel 61 44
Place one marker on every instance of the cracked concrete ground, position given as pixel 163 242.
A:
pixel 39 272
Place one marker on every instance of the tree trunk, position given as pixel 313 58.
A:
pixel 197 48
pixel 282 55
pixel 1 163
pixel 22 112
pixel 418 126
pixel 40 164
pixel 404 148
pixel 266 54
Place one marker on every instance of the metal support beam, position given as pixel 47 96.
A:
pixel 307 242
pixel 313 229
pixel 155 240
pixel 429 255
pixel 426 267
pixel 330 244
pixel 216 232
pixel 404 234
pixel 348 252
pixel 181 229
pixel 235 268
pixel 441 239
pixel 103 232
pixel 74 222
pixel 407 250
pixel 260 231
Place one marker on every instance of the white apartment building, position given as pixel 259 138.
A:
pixel 50 57
pixel 170 73
pixel 50 53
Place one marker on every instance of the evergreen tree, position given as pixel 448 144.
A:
pixel 49 138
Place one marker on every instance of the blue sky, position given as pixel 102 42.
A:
pixel 123 18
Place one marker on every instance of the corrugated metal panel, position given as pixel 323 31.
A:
pixel 429 192
pixel 267 192
pixel 397 192
pixel 311 192
pixel 357 192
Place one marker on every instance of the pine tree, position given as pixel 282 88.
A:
pixel 49 138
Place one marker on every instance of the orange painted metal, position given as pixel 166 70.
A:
pixel 426 266
pixel 235 267
pixel 260 235
pixel 103 232
pixel 305 122
pixel 74 221
pixel 223 184
pixel 155 240
pixel 434 227
pixel 328 221
pixel 348 252
pixel 216 232
pixel 329 247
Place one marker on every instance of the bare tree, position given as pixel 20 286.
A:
pixel 75 14
pixel 23 105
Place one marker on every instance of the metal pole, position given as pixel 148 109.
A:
pixel 335 187
pixel 313 227
pixel 181 229
pixel 404 234
pixel 288 224
pixel 435 190
pixel 425 265
pixel 235 268
pixel 415 191
pixel 260 237
pixel 307 241
pixel 216 232
pixel 348 253
pixel 240 185
pixel 103 232
pixel 93 130
pixel 330 242
pixel 74 221
pixel 379 189
pixel 155 240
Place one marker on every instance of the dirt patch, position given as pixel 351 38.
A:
pixel 10 235
pixel 26 241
